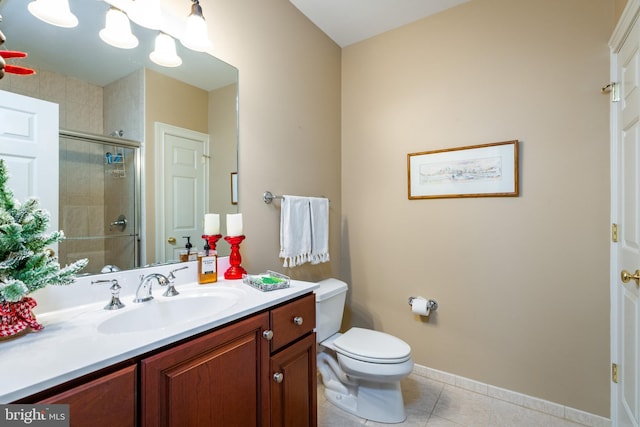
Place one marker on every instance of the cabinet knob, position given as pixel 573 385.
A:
pixel 278 377
pixel 298 320
pixel 268 334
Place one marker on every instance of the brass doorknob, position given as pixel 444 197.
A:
pixel 171 240
pixel 626 276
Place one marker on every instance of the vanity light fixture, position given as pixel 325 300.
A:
pixel 164 53
pixel 117 30
pixel 146 13
pixel 195 36
pixel 54 12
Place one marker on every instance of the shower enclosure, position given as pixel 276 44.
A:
pixel 99 201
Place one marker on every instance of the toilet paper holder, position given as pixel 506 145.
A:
pixel 432 305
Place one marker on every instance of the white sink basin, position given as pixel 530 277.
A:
pixel 162 312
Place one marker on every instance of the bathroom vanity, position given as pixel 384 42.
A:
pixel 251 364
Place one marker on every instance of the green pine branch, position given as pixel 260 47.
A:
pixel 26 264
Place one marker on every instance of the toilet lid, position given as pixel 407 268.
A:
pixel 372 346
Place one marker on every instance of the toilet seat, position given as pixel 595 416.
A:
pixel 372 346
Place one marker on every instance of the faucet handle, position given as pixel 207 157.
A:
pixel 171 290
pixel 172 276
pixel 115 287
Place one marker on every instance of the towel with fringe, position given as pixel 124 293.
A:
pixel 295 230
pixel 319 210
pixel 304 230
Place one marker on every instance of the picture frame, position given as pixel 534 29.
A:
pixel 234 188
pixel 486 170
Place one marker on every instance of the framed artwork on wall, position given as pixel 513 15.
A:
pixel 487 170
pixel 234 188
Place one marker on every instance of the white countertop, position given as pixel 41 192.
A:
pixel 70 344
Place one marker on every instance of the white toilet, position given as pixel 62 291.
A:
pixel 361 369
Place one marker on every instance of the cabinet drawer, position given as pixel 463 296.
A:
pixel 293 320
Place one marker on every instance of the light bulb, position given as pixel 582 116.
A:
pixel 165 52
pixel 195 36
pixel 54 12
pixel 117 30
pixel 146 13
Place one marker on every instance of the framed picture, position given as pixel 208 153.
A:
pixel 488 170
pixel 234 188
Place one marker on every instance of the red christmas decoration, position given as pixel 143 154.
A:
pixel 13 69
pixel 7 68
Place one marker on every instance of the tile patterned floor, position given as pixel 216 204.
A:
pixel 430 403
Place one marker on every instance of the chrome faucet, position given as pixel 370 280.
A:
pixel 143 293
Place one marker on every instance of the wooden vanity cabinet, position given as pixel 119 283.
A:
pixel 258 371
pixel 293 385
pixel 293 364
pixel 104 402
pixel 214 380
pixel 236 377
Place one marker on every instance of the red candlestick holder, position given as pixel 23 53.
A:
pixel 235 271
pixel 212 239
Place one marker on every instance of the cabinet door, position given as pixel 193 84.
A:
pixel 214 380
pixel 293 385
pixel 109 401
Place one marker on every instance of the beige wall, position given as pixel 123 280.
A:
pixel 223 130
pixel 289 121
pixel 175 103
pixel 619 7
pixel 522 282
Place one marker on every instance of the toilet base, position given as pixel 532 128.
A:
pixel 375 401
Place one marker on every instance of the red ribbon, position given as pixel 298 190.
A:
pixel 15 317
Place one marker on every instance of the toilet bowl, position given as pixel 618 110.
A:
pixel 361 369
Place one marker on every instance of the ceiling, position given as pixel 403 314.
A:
pixel 79 52
pixel 350 21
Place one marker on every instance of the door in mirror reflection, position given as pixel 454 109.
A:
pixel 182 186
pixel 99 195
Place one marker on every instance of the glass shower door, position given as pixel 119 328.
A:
pixel 99 193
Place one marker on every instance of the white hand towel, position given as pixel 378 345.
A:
pixel 319 207
pixel 295 230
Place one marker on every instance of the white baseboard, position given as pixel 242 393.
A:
pixel 520 399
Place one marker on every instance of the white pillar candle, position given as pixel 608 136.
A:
pixel 234 225
pixel 211 224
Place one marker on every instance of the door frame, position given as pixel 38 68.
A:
pixel 629 16
pixel 161 130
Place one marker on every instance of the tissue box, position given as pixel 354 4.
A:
pixel 268 281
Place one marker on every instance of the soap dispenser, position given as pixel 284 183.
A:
pixel 207 265
pixel 187 254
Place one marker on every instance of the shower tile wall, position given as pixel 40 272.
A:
pixel 123 110
pixel 82 207
pixel 81 106
pixel 124 106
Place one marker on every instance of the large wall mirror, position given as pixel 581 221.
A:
pixel 121 93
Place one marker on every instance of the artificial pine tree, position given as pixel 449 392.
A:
pixel 25 262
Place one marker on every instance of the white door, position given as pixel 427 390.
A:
pixel 182 189
pixel 29 147
pixel 625 213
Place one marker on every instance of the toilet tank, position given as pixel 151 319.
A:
pixel 330 298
